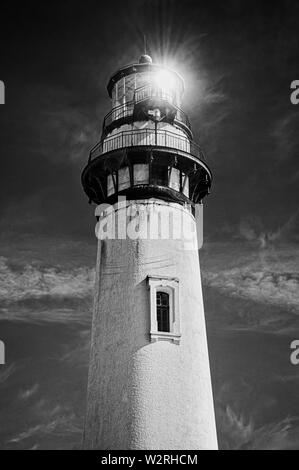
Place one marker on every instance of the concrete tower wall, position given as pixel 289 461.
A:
pixel 145 394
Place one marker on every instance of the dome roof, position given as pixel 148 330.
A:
pixel 145 59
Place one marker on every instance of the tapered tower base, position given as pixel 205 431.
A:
pixel 149 391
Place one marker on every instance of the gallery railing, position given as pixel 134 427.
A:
pixel 127 109
pixel 146 137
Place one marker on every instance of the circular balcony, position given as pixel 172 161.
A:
pixel 142 174
pixel 146 98
pixel 147 138
pixel 142 164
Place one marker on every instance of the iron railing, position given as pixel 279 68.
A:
pixel 119 112
pixel 182 117
pixel 148 138
pixel 141 94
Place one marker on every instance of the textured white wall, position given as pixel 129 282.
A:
pixel 144 395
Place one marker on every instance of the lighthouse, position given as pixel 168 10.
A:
pixel 149 384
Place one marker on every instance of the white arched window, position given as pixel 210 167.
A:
pixel 164 308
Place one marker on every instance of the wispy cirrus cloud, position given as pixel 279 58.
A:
pixel 6 372
pixel 62 291
pixel 64 425
pixel 285 134
pixel 267 275
pixel 30 281
pixel 277 288
pixel 241 433
pixel 35 292
pixel 29 392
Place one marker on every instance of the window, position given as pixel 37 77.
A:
pixel 159 175
pixel 185 184
pixel 111 184
pixel 163 311
pixel 164 308
pixel 123 178
pixel 141 173
pixel 174 178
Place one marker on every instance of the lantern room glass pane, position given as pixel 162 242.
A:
pixel 174 179
pixel 123 178
pixel 185 184
pixel 130 82
pixel 141 173
pixel 159 175
pixel 110 185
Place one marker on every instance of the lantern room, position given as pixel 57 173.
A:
pixel 146 148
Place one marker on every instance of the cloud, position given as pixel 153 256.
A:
pixel 31 281
pixel 57 421
pixel 38 291
pixel 285 378
pixel 78 355
pixel 253 228
pixel 285 134
pixel 57 285
pixel 28 393
pixel 280 288
pixel 62 426
pixel 6 372
pixel 68 133
pixel 269 275
pixel 241 433
pixel 34 447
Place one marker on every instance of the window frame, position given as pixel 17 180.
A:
pixel 170 286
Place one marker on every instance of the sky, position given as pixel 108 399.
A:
pixel 238 60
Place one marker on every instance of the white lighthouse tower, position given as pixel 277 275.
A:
pixel 149 383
